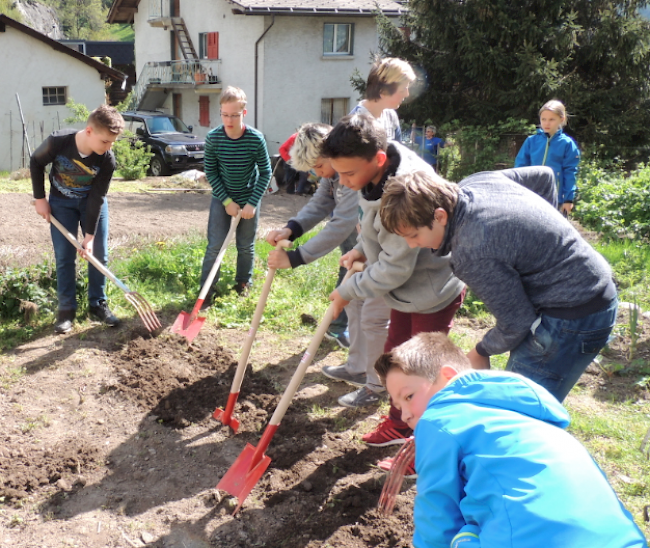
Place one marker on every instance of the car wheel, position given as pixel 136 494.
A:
pixel 158 167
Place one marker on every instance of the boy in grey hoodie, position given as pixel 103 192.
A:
pixel 367 322
pixel 551 293
pixel 418 286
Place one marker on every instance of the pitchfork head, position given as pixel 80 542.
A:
pixel 146 313
pixel 395 477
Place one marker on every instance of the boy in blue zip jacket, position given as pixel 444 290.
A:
pixel 551 147
pixel 496 468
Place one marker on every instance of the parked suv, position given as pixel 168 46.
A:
pixel 174 146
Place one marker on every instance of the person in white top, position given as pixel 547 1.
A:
pixel 387 87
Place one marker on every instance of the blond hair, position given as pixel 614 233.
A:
pixel 556 107
pixel 106 118
pixel 386 75
pixel 424 356
pixel 306 149
pixel 232 94
pixel 410 200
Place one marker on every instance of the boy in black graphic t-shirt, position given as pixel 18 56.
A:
pixel 82 167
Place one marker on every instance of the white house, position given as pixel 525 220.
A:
pixel 44 74
pixel 293 58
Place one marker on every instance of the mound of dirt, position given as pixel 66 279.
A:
pixel 25 468
pixel 181 385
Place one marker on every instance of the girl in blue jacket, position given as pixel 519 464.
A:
pixel 551 147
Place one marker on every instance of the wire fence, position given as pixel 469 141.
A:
pixel 16 143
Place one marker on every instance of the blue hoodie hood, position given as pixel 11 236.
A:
pixel 494 389
pixel 496 469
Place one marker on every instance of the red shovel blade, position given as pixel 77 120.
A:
pixel 240 478
pixel 182 326
pixel 245 472
pixel 226 417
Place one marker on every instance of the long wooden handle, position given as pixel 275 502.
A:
pixel 308 356
pixel 88 256
pixel 234 221
pixel 255 323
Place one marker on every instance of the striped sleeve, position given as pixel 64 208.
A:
pixel 211 166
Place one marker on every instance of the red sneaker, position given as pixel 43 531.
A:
pixel 387 464
pixel 387 433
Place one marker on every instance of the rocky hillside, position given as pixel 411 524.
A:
pixel 41 18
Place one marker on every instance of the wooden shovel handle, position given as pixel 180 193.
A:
pixel 234 221
pixel 308 356
pixel 255 323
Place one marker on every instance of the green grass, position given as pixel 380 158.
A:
pixel 122 32
pixel 168 273
pixel 25 185
pixel 612 432
pixel 630 262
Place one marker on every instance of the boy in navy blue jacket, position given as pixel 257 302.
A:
pixel 495 465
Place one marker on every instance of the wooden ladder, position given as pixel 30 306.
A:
pixel 184 40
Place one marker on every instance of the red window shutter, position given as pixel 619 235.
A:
pixel 213 45
pixel 204 111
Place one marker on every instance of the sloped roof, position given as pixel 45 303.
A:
pixel 122 11
pixel 105 71
pixel 317 7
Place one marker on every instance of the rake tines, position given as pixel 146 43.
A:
pixel 396 477
pixel 146 313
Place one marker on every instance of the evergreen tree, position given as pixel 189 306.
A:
pixel 487 60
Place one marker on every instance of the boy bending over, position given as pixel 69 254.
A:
pixel 551 293
pixel 417 285
pixel 495 466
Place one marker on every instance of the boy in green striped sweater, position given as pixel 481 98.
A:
pixel 238 168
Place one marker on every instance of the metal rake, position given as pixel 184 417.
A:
pixel 143 308
pixel 395 477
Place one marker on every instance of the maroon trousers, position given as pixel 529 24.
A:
pixel 404 325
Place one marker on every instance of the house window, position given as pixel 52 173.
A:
pixel 208 45
pixel 54 96
pixel 332 110
pixel 338 38
pixel 204 111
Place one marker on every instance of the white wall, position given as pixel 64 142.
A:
pixel 297 75
pixel 31 66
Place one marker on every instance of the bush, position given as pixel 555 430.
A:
pixel 612 203
pixel 132 156
pixel 36 284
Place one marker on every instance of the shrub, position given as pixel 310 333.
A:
pixel 614 204
pixel 132 156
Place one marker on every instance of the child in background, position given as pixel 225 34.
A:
pixel 82 168
pixel 429 144
pixel 387 87
pixel 495 465
pixel 290 173
pixel 417 286
pixel 550 146
pixel 238 169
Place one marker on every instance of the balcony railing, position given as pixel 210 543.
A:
pixel 159 9
pixel 175 73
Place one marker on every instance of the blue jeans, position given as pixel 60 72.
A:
pixel 218 226
pixel 71 213
pixel 556 352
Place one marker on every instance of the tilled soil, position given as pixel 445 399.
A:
pixel 109 440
